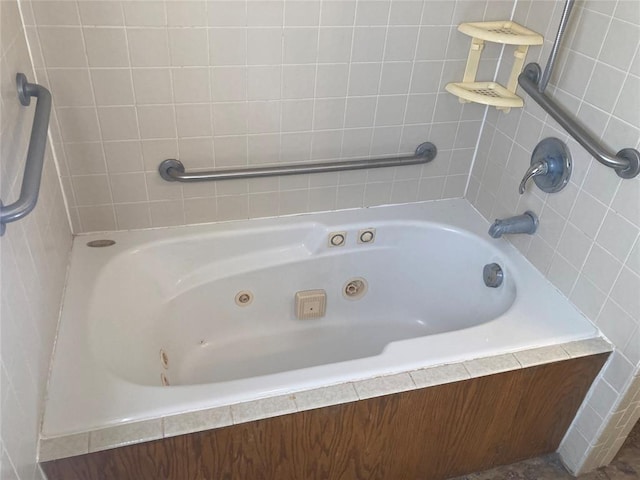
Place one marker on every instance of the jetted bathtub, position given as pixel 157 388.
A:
pixel 182 319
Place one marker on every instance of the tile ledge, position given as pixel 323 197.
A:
pixel 584 348
pixel 63 446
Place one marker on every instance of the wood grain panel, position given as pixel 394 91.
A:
pixel 429 434
pixel 541 424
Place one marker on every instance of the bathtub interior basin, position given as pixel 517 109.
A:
pixel 177 303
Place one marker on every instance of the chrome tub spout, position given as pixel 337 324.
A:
pixel 525 223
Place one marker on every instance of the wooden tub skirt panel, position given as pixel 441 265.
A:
pixel 428 434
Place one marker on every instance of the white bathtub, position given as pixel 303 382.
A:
pixel 174 289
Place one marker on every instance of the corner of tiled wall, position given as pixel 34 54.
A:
pixel 33 263
pixel 588 241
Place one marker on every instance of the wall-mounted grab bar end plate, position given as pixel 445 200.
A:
pixel 170 163
pixel 633 169
pixel 532 71
pixel 23 94
pixel 3 226
pixel 427 150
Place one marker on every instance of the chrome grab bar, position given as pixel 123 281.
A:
pixel 35 153
pixel 551 62
pixel 173 170
pixel 626 162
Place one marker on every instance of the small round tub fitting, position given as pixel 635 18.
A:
pixel 337 239
pixel 368 235
pixel 355 288
pixel 244 298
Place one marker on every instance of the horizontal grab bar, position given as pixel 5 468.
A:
pixel 173 170
pixel 626 162
pixel 35 153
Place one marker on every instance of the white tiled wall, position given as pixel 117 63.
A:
pixel 588 242
pixel 231 83
pixel 33 263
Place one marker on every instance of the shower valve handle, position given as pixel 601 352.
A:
pixel 537 168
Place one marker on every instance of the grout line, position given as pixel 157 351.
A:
pixel 94 107
pixel 483 123
pixel 56 160
pixel 409 94
pixel 377 96
pixel 374 126
pixel 139 141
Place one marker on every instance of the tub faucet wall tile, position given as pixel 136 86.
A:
pixel 588 239
pixel 33 255
pixel 244 83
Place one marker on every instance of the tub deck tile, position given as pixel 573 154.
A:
pixel 492 365
pixel 542 355
pixel 378 386
pixel 428 377
pixel 60 447
pixel 263 408
pixel 477 423
pixel 583 348
pixel 191 422
pixel 121 435
pixel 326 396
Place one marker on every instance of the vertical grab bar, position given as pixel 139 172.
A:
pixel 35 153
pixel 548 69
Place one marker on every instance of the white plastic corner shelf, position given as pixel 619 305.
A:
pixel 492 93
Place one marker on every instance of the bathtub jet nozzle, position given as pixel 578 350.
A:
pixel 525 223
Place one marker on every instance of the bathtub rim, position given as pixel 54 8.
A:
pixel 439 208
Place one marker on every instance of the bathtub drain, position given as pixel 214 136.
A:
pixel 355 288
